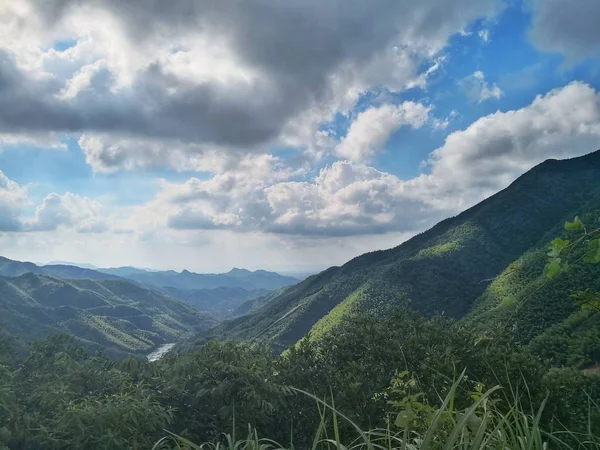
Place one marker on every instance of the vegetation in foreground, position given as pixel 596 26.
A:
pixel 395 375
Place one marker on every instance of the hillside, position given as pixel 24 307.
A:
pixel 440 270
pixel 115 314
pixel 523 305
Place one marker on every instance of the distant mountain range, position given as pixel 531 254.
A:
pixel 68 263
pixel 216 294
pixel 236 278
pixel 444 269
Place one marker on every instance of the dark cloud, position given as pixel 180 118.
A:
pixel 567 26
pixel 294 47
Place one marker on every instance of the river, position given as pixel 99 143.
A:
pixel 160 352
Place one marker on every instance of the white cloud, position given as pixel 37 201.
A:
pixel 372 128
pixel 81 80
pixel 566 26
pixel 12 199
pixel 484 35
pixel 111 153
pixel 344 199
pixel 70 211
pixel 494 150
pixel 478 90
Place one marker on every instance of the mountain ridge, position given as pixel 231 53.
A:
pixel 439 270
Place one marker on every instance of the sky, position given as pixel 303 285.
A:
pixel 276 134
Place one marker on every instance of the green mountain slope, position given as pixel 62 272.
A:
pixel 524 305
pixel 440 270
pixel 115 314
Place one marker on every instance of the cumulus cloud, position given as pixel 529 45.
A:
pixel 236 75
pixel 80 214
pixel 566 26
pixel 495 149
pixel 12 199
pixel 344 199
pixel 349 198
pixel 477 89
pixel 372 128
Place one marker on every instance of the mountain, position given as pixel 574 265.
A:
pixel 217 294
pixel 441 270
pixel 115 314
pixel 218 302
pixel 127 271
pixel 186 280
pixel 68 263
pixel 11 268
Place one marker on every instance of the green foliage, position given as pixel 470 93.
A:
pixel 590 254
pixel 483 424
pixel 57 396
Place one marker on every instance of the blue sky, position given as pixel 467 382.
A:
pixel 265 136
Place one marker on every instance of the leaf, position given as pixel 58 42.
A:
pixel 577 224
pixel 593 253
pixel 552 269
pixel 481 340
pixel 556 247
pixel 507 301
pixel 404 418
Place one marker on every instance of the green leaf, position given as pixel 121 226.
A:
pixel 556 247
pixel 404 418
pixel 552 269
pixel 507 301
pixel 481 340
pixel 577 224
pixel 593 253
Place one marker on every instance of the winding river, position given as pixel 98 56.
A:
pixel 160 352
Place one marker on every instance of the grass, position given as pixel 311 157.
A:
pixel 482 425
